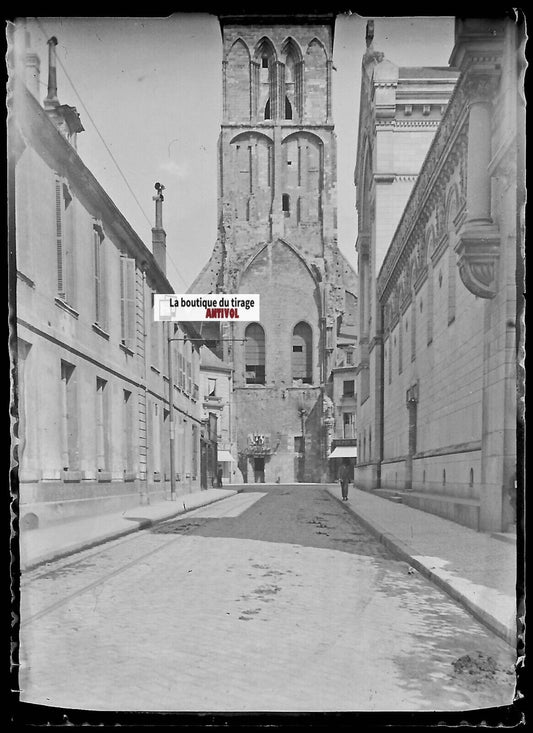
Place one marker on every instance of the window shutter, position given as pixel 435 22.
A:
pixel 128 301
pixel 123 327
pixel 97 283
pixel 59 243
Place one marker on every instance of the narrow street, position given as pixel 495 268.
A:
pixel 274 599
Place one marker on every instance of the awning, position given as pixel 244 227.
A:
pixel 344 451
pixel 224 456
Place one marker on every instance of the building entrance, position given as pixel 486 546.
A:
pixel 259 470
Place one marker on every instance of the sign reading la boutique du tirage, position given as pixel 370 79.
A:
pixel 209 307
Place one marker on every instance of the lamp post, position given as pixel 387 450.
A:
pixel 303 412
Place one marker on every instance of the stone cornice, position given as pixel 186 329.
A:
pixel 269 125
pixel 421 278
pixel 439 249
pixel 406 302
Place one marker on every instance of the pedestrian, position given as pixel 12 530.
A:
pixel 344 478
pixel 219 477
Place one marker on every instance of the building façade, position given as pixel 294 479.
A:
pixel 277 238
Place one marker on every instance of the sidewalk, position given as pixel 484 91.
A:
pixel 476 569
pixel 50 543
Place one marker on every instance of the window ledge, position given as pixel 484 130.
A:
pixel 71 476
pixel 66 307
pixel 100 331
pixel 126 349
pixel 155 369
pixel 25 279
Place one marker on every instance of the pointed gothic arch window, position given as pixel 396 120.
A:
pixel 288 109
pixel 254 354
pixel 302 356
pixel 292 90
pixel 265 80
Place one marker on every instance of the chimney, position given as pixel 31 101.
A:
pixel 64 117
pixel 32 67
pixel 159 236
pixel 51 100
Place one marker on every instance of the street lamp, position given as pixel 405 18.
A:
pixel 303 413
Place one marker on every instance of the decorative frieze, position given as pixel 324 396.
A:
pixel 447 157
pixel 478 252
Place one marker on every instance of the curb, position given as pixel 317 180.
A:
pixel 406 553
pixel 72 549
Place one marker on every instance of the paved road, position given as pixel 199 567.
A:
pixel 274 599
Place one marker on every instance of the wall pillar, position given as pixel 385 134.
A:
pixel 478 245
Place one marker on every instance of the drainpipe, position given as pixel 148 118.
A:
pixel 145 498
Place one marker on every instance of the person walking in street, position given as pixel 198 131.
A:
pixel 344 478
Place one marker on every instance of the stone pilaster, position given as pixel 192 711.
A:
pixel 478 245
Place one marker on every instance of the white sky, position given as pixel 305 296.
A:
pixel 153 88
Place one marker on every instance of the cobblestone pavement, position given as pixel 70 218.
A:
pixel 271 600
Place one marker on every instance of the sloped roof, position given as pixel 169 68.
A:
pixel 209 360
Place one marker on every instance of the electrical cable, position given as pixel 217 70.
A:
pixel 107 148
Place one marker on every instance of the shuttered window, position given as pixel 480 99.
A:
pixel 127 302
pixel 189 377
pixel 100 313
pixel 102 425
pixel 69 418
pixel 255 354
pixel 127 431
pixel 64 242
pixel 59 242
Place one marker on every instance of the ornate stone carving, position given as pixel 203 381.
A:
pixel 480 87
pixel 478 251
pixel 450 138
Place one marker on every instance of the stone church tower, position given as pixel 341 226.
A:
pixel 277 237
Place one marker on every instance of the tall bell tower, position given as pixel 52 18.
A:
pixel 277 237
